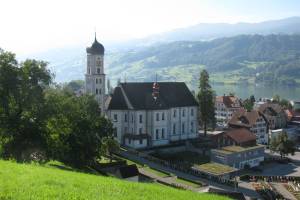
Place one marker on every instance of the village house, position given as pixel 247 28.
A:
pixel 238 136
pixel 225 106
pixel 275 115
pixel 153 114
pixel 237 148
pixel 255 121
pixel 239 156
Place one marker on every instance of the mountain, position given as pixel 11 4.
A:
pixel 244 59
pixel 180 54
pixel 208 31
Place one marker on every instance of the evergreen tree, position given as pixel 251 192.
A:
pixel 206 100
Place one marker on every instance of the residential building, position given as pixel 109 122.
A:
pixel 225 106
pixel 238 136
pixel 95 76
pixel 255 121
pixel 275 115
pixel 153 114
pixel 238 156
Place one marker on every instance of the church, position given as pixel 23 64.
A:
pixel 144 114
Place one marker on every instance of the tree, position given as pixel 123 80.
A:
pixel 75 85
pixel 276 98
pixel 22 118
pixel 108 146
pixel 206 100
pixel 248 105
pixel 252 99
pixel 75 128
pixel 282 145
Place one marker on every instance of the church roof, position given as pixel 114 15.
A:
pixel 96 48
pixel 117 101
pixel 139 95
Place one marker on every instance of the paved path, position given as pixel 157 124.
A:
pixel 247 190
pixel 169 180
pixel 284 192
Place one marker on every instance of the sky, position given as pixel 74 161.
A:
pixel 38 25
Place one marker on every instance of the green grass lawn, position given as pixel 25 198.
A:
pixel 24 181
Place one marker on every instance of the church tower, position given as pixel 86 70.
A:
pixel 95 77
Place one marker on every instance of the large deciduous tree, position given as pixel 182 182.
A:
pixel 282 145
pixel 22 127
pixel 206 100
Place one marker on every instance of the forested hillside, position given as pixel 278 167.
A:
pixel 272 59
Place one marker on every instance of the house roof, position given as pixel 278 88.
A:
pixel 241 135
pixel 215 169
pixel 270 108
pixel 237 149
pixel 227 100
pixel 139 95
pixel 244 118
pixel 117 101
pixel 128 171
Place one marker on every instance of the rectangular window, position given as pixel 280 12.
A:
pixel 100 91
pixel 98 70
pixel 174 113
pixel 115 117
pixel 89 70
pixel 182 128
pixel 192 112
pixel 192 127
pixel 183 112
pixel 140 130
pixel 96 81
pixel 163 116
pixel 156 133
pixel 132 118
pixel 100 80
pixel 174 129
pixel 141 118
pixel 125 118
pixel 163 133
pixel 157 116
pixel 96 91
pixel 141 141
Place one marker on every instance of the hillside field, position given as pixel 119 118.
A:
pixel 25 181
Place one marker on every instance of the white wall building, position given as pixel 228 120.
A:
pixel 153 114
pixel 95 76
pixel 225 106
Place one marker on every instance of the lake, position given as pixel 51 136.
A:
pixel 244 91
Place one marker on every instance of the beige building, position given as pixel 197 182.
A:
pixel 225 106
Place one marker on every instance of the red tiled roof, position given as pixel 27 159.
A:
pixel 227 100
pixel 241 135
pixel 245 118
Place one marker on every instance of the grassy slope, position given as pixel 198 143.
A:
pixel 21 181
